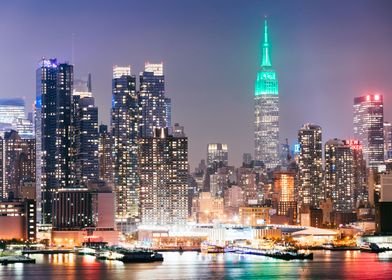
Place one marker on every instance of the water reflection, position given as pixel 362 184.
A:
pixel 326 264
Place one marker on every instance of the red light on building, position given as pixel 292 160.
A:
pixel 354 144
pixel 376 97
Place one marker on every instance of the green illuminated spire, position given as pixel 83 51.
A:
pixel 266 62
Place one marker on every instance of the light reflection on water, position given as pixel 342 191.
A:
pixel 191 265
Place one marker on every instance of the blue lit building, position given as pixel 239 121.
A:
pixel 54 160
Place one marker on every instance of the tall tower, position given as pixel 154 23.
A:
pixel 369 127
pixel 152 102
pixel 310 188
pixel 267 109
pixel 124 123
pixel 54 132
pixel 339 175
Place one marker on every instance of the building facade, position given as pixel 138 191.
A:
pixel 339 175
pixel 369 127
pixel 124 131
pixel 152 101
pixel 310 166
pixel 163 169
pixel 17 164
pixel 217 155
pixel 266 100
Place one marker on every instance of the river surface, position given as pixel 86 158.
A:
pixel 192 265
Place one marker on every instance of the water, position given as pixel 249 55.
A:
pixel 192 265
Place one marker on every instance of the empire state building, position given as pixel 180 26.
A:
pixel 266 100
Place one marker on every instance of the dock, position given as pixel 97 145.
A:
pixel 16 259
pixel 277 254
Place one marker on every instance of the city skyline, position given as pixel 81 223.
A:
pixel 305 49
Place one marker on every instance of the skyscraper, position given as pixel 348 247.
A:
pixel 368 127
pixel 163 167
pixel 55 132
pixel 310 187
pixel 65 161
pixel 17 165
pixel 152 101
pixel 339 175
pixel 359 172
pixel 266 102
pixel 217 155
pixel 124 126
pixel 85 122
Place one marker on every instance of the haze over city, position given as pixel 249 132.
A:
pixel 325 53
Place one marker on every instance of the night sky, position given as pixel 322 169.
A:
pixel 325 53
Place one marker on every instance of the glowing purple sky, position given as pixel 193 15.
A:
pixel 325 53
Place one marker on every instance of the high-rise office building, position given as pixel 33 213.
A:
pixel 368 127
pixel 163 167
pixel 105 155
pixel 17 165
pixel 65 161
pixel 266 102
pixel 54 131
pixel 217 155
pixel 152 101
pixel 387 140
pixel 310 187
pixel 359 173
pixel 339 175
pixel 124 131
pixel 85 122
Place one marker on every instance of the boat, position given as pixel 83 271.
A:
pixel 371 248
pixel 137 256
pixel 16 259
pixel 85 251
pixel 211 248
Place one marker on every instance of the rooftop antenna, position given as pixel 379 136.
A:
pixel 73 49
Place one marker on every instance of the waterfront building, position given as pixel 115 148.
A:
pixel 266 100
pixel 17 157
pixel 18 220
pixel 310 188
pixel 254 215
pixel 72 209
pixel 152 101
pixel 124 132
pixel 339 175
pixel 163 170
pixel 369 127
pixel 217 155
